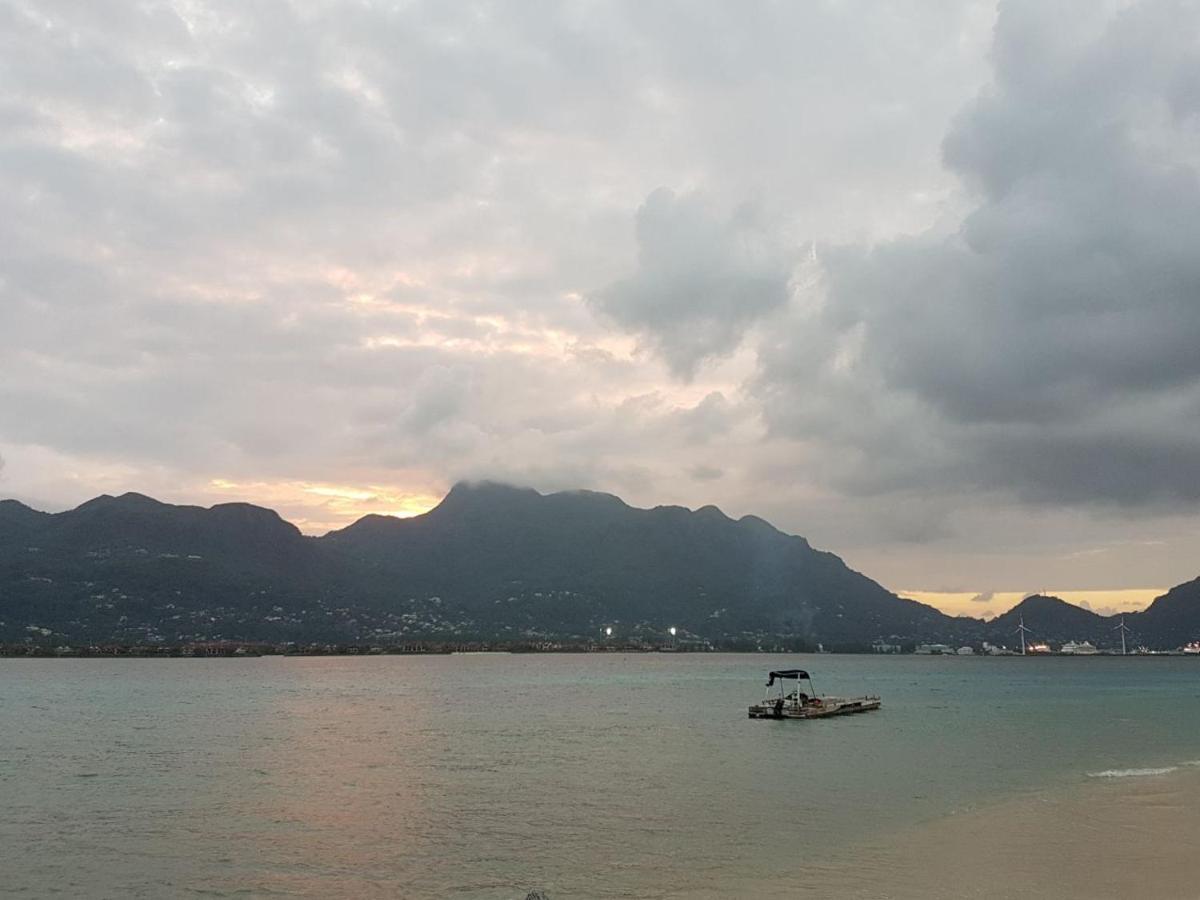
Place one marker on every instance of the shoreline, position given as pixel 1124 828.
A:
pixel 1113 834
pixel 253 649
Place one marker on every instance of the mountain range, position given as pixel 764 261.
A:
pixel 491 562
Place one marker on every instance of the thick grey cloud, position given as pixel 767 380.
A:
pixel 1046 346
pixel 236 237
pixel 701 279
pixel 299 250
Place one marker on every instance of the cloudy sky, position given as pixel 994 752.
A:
pixel 918 280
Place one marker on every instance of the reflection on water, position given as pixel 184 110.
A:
pixel 335 791
pixel 586 776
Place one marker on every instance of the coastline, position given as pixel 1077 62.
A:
pixel 235 648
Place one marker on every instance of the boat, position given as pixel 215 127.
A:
pixel 1073 648
pixel 799 704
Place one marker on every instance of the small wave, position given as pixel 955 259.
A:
pixel 1132 773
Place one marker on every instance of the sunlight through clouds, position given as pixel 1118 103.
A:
pixel 318 508
pixel 780 258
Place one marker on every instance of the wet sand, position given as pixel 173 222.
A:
pixel 1134 836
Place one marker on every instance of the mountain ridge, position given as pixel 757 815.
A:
pixel 489 559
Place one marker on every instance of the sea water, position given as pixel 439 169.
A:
pixel 487 776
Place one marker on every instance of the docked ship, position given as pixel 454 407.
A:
pixel 1086 648
pixel 799 704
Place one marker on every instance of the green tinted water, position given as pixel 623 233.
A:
pixel 488 776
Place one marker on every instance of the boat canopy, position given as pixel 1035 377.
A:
pixel 786 673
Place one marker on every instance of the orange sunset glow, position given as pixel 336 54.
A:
pixel 317 508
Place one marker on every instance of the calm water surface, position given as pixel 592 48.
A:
pixel 487 776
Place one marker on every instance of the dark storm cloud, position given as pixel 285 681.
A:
pixel 1117 465
pixel 1048 345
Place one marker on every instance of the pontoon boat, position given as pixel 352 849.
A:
pixel 800 704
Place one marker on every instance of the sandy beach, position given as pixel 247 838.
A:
pixel 1112 837
pixel 1120 835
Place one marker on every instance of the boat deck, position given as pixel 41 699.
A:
pixel 814 710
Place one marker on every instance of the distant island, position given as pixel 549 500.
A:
pixel 492 566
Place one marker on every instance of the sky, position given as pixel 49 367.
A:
pixel 916 280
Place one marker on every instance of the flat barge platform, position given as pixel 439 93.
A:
pixel 800 704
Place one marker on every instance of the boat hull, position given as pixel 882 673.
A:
pixel 823 710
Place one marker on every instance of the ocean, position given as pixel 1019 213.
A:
pixel 596 775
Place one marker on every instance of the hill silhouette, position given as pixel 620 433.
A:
pixel 575 560
pixel 1050 619
pixel 490 562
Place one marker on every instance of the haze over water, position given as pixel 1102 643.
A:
pixel 585 776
